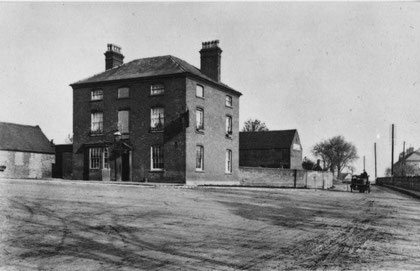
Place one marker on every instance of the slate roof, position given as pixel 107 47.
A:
pixel 16 137
pixel 266 140
pixel 148 67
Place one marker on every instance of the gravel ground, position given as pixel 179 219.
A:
pixel 58 225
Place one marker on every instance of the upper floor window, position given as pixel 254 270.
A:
pixel 199 160
pixel 199 91
pixel 97 94
pixel 96 122
pixel 228 101
pixel 228 166
pixel 156 157
pixel 123 92
pixel 157 118
pixel 124 121
pixel 228 126
pixel 199 119
pixel 157 89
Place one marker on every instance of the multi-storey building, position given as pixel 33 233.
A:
pixel 156 119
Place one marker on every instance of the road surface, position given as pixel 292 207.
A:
pixel 65 225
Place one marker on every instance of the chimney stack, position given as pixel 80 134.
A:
pixel 113 56
pixel 211 56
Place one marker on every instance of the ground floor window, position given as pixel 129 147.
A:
pixel 157 157
pixel 228 161
pixel 98 158
pixel 199 164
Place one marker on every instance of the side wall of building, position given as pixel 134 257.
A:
pixel 296 153
pixel 270 158
pixel 213 138
pixel 26 164
pixel 140 137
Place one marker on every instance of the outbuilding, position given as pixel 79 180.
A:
pixel 272 149
pixel 25 152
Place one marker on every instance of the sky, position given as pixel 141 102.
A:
pixel 325 69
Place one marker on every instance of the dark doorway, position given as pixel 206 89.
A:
pixel 125 161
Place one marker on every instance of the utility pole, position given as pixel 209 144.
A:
pixel 392 150
pixel 374 148
pixel 403 160
pixel 364 163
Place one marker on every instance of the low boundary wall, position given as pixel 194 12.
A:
pixel 276 177
pixel 411 183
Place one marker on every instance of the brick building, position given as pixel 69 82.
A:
pixel 25 152
pixel 156 119
pixel 272 149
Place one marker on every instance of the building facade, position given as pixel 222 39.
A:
pixel 409 164
pixel 271 149
pixel 156 119
pixel 25 152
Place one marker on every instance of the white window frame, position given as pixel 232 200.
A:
pixel 96 95
pixel 157 118
pixel 95 158
pixel 98 158
pixel 199 119
pixel 96 122
pixel 124 128
pixel 157 89
pixel 199 91
pixel 228 127
pixel 123 92
pixel 199 158
pixel 228 101
pixel 156 158
pixel 105 156
pixel 228 162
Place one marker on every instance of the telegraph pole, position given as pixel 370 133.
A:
pixel 403 160
pixel 392 150
pixel 374 148
pixel 364 163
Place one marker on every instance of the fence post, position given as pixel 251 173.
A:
pixel 295 176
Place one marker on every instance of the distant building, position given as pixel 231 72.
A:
pixel 409 165
pixel 156 119
pixel 25 152
pixel 345 177
pixel 273 149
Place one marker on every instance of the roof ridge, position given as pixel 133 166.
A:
pixel 17 124
pixel 269 131
pixel 174 60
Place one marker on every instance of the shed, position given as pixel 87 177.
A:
pixel 25 152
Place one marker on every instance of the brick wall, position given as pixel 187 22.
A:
pixel 411 183
pixel 26 165
pixel 213 138
pixel 276 177
pixel 139 104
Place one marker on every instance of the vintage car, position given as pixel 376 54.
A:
pixel 360 183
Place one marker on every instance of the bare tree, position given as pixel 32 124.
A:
pixel 254 126
pixel 336 153
pixel 69 139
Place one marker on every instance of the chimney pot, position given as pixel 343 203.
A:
pixel 113 56
pixel 211 59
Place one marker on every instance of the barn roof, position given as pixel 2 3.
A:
pixel 150 67
pixel 267 140
pixel 25 138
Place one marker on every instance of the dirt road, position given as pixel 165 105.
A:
pixel 53 225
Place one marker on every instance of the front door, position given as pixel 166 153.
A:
pixel 125 166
